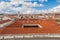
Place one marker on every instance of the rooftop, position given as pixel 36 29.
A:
pixel 31 26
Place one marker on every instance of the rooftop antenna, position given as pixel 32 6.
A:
pixel 18 13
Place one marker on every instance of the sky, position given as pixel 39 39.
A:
pixel 29 6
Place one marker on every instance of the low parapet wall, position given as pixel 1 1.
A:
pixel 13 36
pixel 6 24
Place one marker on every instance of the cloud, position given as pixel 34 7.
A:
pixel 30 5
pixel 6 7
pixel 43 0
pixel 58 0
pixel 30 0
pixel 41 5
pixel 55 9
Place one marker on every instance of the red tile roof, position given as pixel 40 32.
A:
pixel 48 26
pixel 3 21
